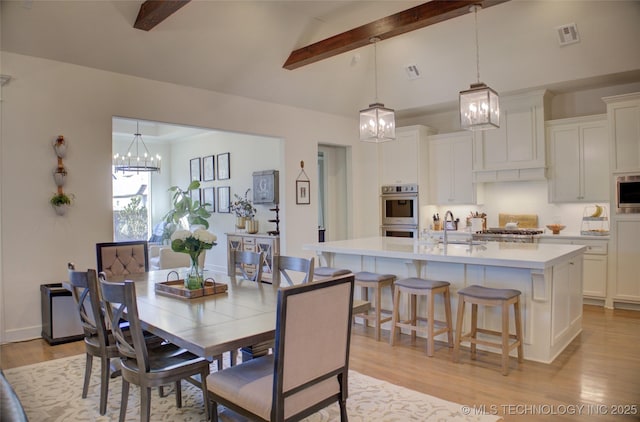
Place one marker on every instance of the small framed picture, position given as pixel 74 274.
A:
pixel 223 199
pixel 303 196
pixel 208 168
pixel 208 199
pixel 224 170
pixel 194 167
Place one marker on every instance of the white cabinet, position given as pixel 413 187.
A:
pixel 623 112
pixel 516 150
pixel 578 159
pixel 268 245
pixel 404 160
pixel 450 169
pixel 594 277
pixel 626 261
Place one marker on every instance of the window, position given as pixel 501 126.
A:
pixel 131 214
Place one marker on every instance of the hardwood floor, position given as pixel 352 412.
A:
pixel 600 371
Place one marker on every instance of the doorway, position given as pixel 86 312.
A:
pixel 333 192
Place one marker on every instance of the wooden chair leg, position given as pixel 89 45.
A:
pixel 395 316
pixel 378 306
pixel 104 384
pixel 365 296
pixel 145 404
pixel 124 398
pixel 87 375
pixel 516 311
pixel 459 319
pixel 430 316
pixel 505 338
pixel 474 329
pixel 414 314
pixel 447 313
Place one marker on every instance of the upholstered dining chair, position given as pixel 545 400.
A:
pixel 309 367
pixel 143 366
pixel 295 270
pixel 241 259
pixel 122 258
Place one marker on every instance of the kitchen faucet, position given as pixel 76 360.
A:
pixel 444 222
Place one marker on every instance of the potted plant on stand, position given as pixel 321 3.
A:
pixel 60 202
pixel 245 212
pixel 186 212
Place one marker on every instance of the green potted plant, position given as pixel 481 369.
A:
pixel 60 202
pixel 186 210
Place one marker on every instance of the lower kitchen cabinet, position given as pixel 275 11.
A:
pixel 268 245
pixel 594 279
pixel 625 262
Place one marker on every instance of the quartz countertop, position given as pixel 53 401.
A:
pixel 515 255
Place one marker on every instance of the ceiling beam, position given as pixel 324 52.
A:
pixel 402 22
pixel 152 12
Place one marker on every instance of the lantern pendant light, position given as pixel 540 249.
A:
pixel 377 123
pixel 479 105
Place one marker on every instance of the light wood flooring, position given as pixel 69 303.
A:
pixel 600 370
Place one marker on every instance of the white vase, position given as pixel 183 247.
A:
pixel 61 209
pixel 59 178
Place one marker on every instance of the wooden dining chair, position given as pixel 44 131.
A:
pixel 98 342
pixel 245 261
pixel 122 258
pixel 295 270
pixel 309 367
pixel 143 366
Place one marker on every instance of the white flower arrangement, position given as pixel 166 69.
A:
pixel 192 243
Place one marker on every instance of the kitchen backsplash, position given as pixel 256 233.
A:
pixel 516 198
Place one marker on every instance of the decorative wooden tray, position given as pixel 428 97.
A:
pixel 176 288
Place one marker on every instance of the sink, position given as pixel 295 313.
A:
pixel 465 242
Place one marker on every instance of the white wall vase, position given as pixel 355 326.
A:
pixel 60 146
pixel 60 176
pixel 60 209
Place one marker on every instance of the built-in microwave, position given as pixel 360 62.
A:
pixel 399 230
pixel 628 194
pixel 399 205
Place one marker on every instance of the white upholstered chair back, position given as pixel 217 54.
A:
pixel 122 258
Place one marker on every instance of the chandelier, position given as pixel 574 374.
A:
pixel 133 161
pixel 479 105
pixel 377 123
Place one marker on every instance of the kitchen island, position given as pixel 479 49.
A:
pixel 548 275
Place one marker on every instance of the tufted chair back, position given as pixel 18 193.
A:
pixel 122 258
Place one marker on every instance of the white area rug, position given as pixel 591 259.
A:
pixel 51 391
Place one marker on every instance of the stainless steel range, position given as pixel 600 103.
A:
pixel 509 235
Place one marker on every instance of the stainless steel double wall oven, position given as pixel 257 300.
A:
pixel 399 209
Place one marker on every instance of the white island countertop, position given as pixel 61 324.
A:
pixel 515 255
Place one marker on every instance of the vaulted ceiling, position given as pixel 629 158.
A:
pixel 240 47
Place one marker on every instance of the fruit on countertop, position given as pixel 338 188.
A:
pixel 598 212
pixel 555 228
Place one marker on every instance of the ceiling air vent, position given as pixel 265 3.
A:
pixel 568 34
pixel 412 71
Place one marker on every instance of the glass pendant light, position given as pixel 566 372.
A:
pixel 377 123
pixel 479 105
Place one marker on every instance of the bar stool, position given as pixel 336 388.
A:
pixel 415 287
pixel 479 295
pixel 377 282
pixel 328 272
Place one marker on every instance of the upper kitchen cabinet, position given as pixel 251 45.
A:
pixel 404 160
pixel 578 151
pixel 450 169
pixel 516 150
pixel 623 113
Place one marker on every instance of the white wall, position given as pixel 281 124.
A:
pixel 48 98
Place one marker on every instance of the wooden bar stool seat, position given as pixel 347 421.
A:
pixel 479 295
pixel 369 280
pixel 415 287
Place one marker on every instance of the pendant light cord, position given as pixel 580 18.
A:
pixel 375 65
pixel 475 15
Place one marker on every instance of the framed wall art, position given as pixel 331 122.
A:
pixel 224 169
pixel 265 187
pixel 223 199
pixel 208 197
pixel 194 168
pixel 303 196
pixel 208 168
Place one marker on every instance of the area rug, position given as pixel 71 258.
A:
pixel 51 391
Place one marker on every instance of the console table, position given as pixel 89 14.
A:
pixel 268 245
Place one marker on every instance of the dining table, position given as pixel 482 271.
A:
pixel 243 315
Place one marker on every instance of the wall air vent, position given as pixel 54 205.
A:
pixel 568 34
pixel 412 71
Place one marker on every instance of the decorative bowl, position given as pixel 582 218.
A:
pixel 555 228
